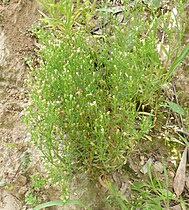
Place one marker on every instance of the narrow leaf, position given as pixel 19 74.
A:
pixel 176 107
pixel 185 141
pixel 54 203
pixel 179 180
pixel 179 59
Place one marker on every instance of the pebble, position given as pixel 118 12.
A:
pixel 158 166
pixel 146 167
pixel 171 174
pixel 21 180
pixel 22 190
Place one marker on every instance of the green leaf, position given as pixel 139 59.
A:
pixel 185 141
pixel 153 4
pixel 176 107
pixel 156 4
pixel 54 203
pixel 178 60
pixel 166 192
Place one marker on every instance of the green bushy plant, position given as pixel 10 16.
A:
pixel 84 111
pixel 93 99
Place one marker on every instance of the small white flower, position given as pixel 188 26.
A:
pixel 90 94
pixel 175 11
pixel 102 130
pixel 93 103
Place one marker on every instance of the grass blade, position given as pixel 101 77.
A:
pixel 185 141
pixel 55 203
pixel 178 60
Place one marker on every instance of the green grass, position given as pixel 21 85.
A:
pixel 56 203
pixel 93 98
pixel 150 194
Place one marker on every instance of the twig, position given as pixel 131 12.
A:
pixel 102 183
pixel 176 98
pixel 17 171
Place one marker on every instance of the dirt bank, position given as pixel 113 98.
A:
pixel 16 19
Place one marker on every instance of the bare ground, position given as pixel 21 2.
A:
pixel 16 19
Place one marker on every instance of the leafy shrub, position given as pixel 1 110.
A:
pixel 93 99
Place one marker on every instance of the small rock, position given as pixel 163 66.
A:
pixel 142 162
pixel 36 189
pixel 171 174
pixel 158 166
pixel 45 197
pixel 25 100
pixel 47 187
pixel 144 169
pixel 22 190
pixel 21 180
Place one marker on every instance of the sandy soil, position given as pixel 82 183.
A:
pixel 16 19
